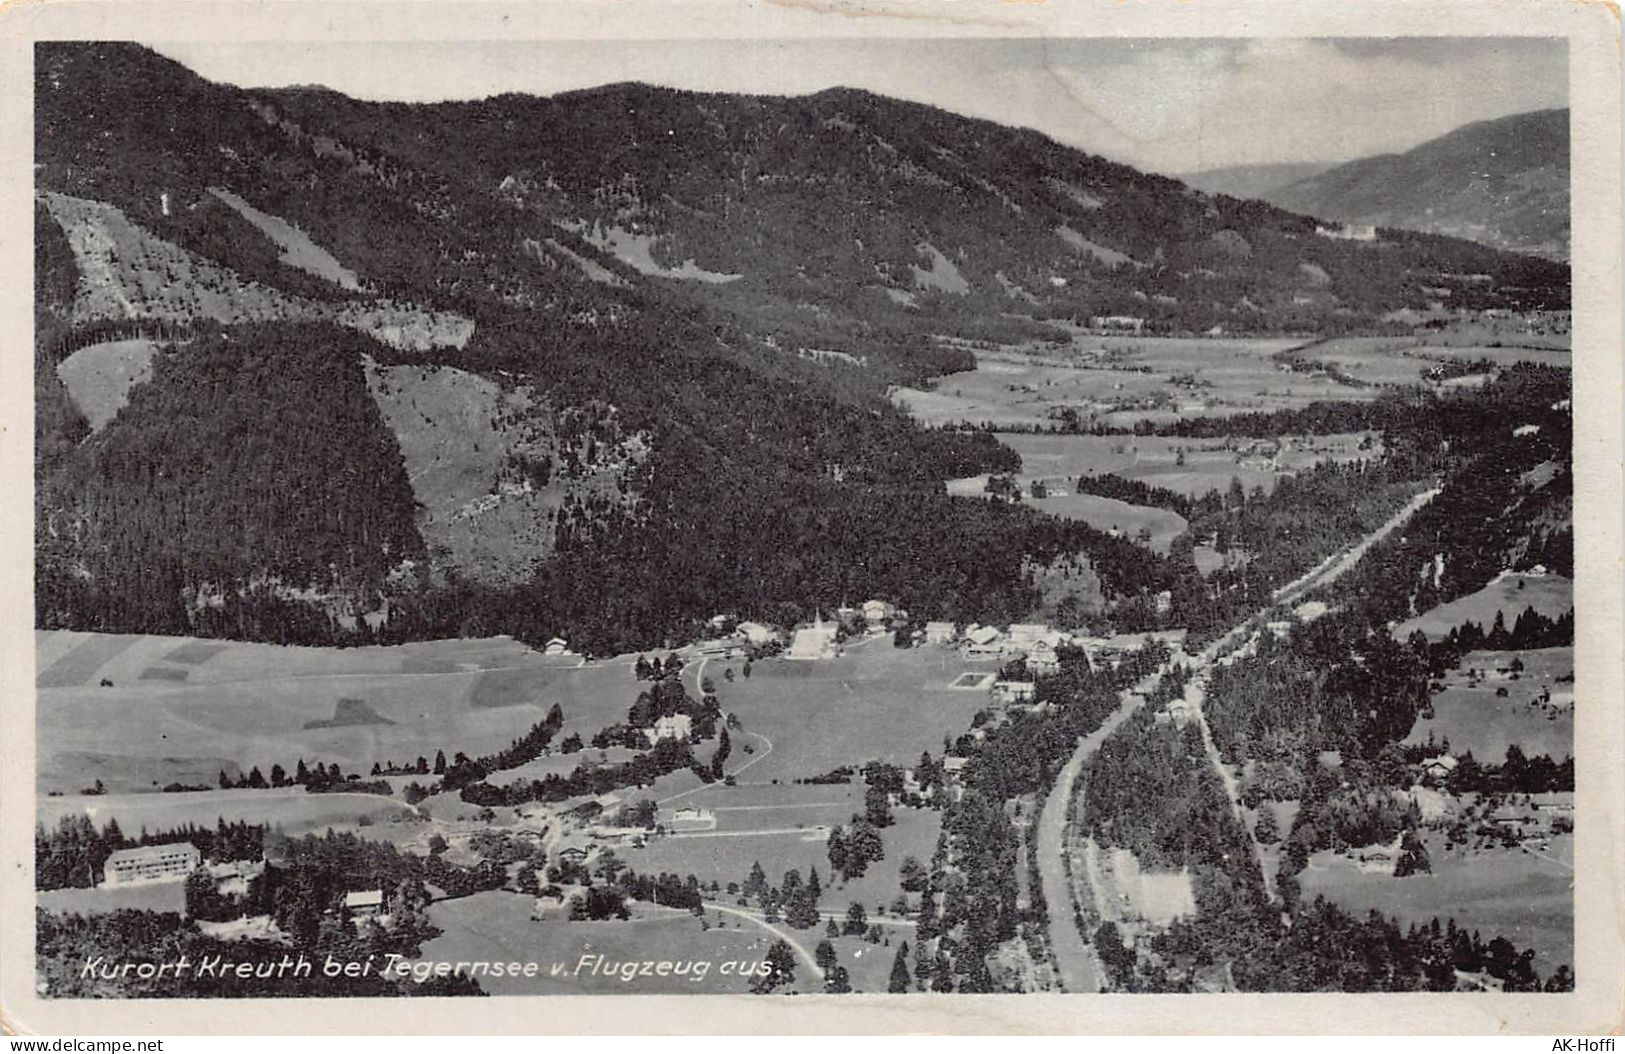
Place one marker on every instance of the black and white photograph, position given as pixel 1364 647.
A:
pixel 796 517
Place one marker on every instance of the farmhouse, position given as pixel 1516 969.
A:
pixel 982 642
pixel 1380 858
pixel 549 906
pixel 1025 638
pixel 556 646
pixel 876 612
pixel 718 649
pixel 672 726
pixel 1007 693
pixel 151 863
pixel 364 903
pixel 1439 769
pixel 813 642
pixel 1043 659
pixel 691 818
pixel 1535 815
pixel 1128 323
pixel 232 878
pixel 756 634
pixel 939 632
pixel 952 767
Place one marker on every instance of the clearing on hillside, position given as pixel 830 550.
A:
pixel 1534 712
pixel 99 376
pixel 1510 593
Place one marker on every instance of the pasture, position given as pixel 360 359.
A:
pixel 497 926
pixel 219 704
pixel 293 809
pixel 152 896
pixel 1512 592
pixel 1473 716
pixel 1209 464
pixel 1406 360
pixel 1524 895
pixel 1118 381
pixel 99 376
pixel 1103 514
pixel 791 834
pixel 875 701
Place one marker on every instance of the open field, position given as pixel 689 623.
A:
pixel 297 248
pixel 1510 594
pixel 1210 464
pixel 68 772
pixel 1405 360
pixel 153 896
pixel 296 811
pixel 802 719
pixel 875 701
pixel 1104 514
pixel 248 704
pixel 727 854
pixel 1524 896
pixel 1474 717
pixel 1118 381
pixel 99 376
pixel 497 927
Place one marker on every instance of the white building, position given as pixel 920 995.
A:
pixel 364 903
pixel 150 863
pixel 692 818
pixel 1439 769
pixel 1007 693
pixel 755 633
pixel 982 642
pixel 876 612
pixel 813 642
pixel 939 632
pixel 1043 659
pixel 672 726
pixel 232 878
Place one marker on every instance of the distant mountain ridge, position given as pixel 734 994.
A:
pixel 1253 181
pixel 1502 182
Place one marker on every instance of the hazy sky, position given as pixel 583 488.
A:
pixel 1169 105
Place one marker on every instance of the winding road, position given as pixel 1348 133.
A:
pixel 1075 962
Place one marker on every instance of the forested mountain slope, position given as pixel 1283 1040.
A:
pixel 563 366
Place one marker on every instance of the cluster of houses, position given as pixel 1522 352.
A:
pixel 820 640
pixel 176 861
pixel 1534 816
pixel 1039 644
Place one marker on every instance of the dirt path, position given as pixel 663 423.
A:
pixel 728 772
pixel 789 938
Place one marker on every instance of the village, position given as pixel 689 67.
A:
pixel 779 798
